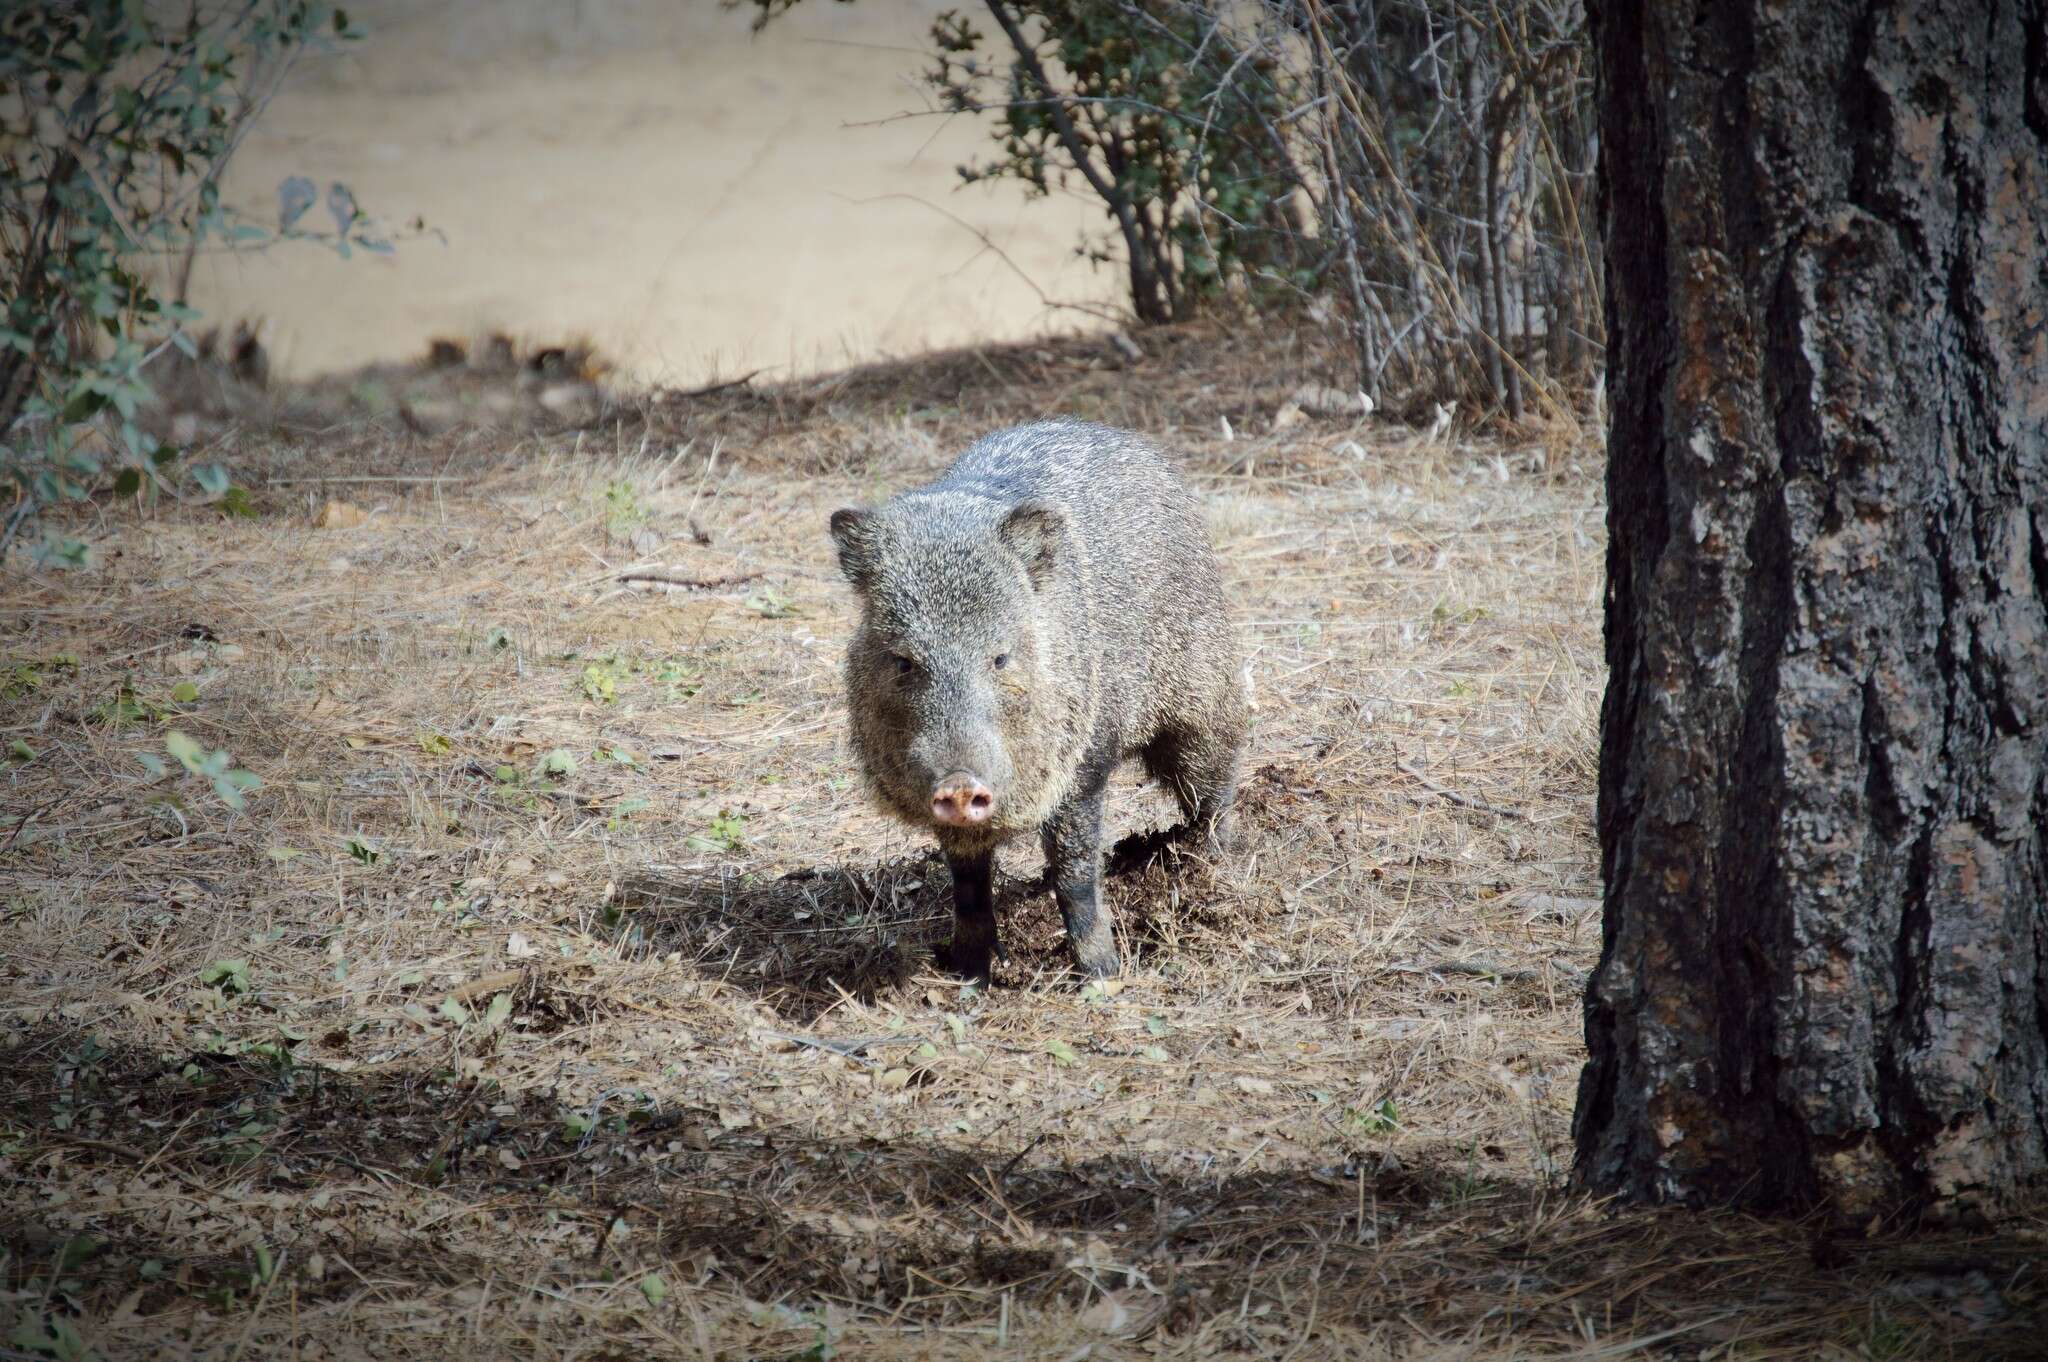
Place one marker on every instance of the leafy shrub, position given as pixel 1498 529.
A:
pixel 116 121
pixel 1171 112
pixel 1421 168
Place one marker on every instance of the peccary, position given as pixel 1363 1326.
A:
pixel 1047 608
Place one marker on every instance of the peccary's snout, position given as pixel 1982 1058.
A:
pixel 961 800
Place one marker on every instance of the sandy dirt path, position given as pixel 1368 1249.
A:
pixel 696 199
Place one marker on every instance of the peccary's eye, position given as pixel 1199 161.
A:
pixel 1000 661
pixel 904 666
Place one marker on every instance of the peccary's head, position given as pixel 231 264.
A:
pixel 953 676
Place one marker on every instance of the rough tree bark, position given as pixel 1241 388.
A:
pixel 1824 747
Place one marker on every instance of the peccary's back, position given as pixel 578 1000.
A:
pixel 1148 595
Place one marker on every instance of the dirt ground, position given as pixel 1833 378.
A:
pixel 698 200
pixel 558 994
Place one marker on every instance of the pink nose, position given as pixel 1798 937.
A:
pixel 961 800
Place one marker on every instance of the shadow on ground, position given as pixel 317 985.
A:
pixel 806 940
pixel 939 1230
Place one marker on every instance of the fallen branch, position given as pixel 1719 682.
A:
pixel 712 389
pixel 501 982
pixel 1463 800
pixel 1556 906
pixel 1478 969
pixel 658 578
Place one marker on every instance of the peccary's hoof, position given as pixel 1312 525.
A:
pixel 968 960
pixel 1098 962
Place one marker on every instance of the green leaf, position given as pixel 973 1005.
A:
pixel 62 552
pixel 559 764
pixel 127 482
pixel 455 1011
pixel 212 479
pixel 152 764
pixel 190 754
pixel 1156 1025
pixel 229 786
pixel 498 1011
pixel 83 407
pixel 77 1249
pixel 20 751
pixel 236 502
pixel 184 692
pixel 282 854
pixel 363 851
pixel 654 1288
pixel 435 744
pixel 1062 1052
pixel 230 976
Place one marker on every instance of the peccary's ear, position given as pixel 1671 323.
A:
pixel 1032 531
pixel 853 529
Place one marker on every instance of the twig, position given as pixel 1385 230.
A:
pixel 1018 1157
pixel 1561 907
pixel 1478 969
pixel 367 477
pixel 691 583
pixel 1465 800
pixel 710 389
pixel 848 1049
pixel 489 983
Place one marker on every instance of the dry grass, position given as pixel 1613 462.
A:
pixel 727 1108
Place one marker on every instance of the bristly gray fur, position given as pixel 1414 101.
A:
pixel 1076 554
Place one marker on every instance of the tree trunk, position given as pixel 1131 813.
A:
pixel 1824 747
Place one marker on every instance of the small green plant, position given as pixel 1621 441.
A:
pixel 125 707
pixel 231 977
pixel 770 604
pixel 1382 1119
pixel 623 811
pixel 23 678
pixel 51 1336
pixel 623 512
pixel 230 783
pixel 679 679
pixel 600 679
pixel 725 833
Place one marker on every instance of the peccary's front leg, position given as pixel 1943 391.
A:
pixel 1073 854
pixel 974 913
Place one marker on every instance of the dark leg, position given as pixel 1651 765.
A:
pixel 1073 854
pixel 974 914
pixel 1201 770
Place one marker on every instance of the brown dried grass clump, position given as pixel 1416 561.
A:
pixel 559 995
